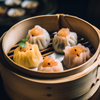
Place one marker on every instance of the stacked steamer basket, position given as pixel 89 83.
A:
pixel 80 82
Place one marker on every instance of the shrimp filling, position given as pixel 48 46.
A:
pixel 36 31
pixel 24 49
pixel 49 62
pixel 77 50
pixel 64 32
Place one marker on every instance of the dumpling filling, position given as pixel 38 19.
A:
pixel 50 65
pixel 36 31
pixel 24 49
pixel 76 50
pixel 63 32
pixel 76 55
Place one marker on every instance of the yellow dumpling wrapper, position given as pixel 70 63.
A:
pixel 30 58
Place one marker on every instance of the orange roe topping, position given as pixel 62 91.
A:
pixel 63 32
pixel 36 31
pixel 24 49
pixel 77 50
pixel 49 62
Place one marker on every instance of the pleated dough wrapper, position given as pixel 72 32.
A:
pixel 57 68
pixel 59 42
pixel 41 40
pixel 29 59
pixel 71 60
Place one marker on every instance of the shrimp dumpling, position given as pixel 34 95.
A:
pixel 39 36
pixel 50 65
pixel 76 55
pixel 64 38
pixel 28 56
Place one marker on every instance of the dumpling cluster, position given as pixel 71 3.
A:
pixel 39 36
pixel 64 38
pixel 28 56
pixel 76 55
pixel 64 42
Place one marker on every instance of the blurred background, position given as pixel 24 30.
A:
pixel 13 11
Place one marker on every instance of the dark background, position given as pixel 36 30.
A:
pixel 88 10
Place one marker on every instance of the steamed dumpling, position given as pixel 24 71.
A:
pixel 28 56
pixel 12 2
pixel 64 38
pixel 39 36
pixel 50 65
pixel 76 55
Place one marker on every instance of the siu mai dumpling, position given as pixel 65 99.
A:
pixel 39 36
pixel 50 65
pixel 75 55
pixel 64 38
pixel 28 56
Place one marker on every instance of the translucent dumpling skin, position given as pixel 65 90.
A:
pixel 64 38
pixel 75 55
pixel 39 36
pixel 29 56
pixel 50 65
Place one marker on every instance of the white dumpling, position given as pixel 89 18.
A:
pixel 28 56
pixel 12 2
pixel 39 36
pixel 75 55
pixel 64 38
pixel 50 65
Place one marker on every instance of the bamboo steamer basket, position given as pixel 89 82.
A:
pixel 51 23
pixel 80 82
